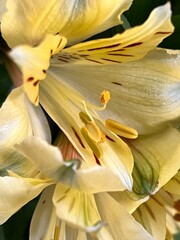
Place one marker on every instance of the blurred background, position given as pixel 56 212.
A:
pixel 17 226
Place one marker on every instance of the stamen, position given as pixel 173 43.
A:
pixel 56 233
pixel 93 131
pixel 84 117
pixel 87 112
pixel 93 145
pixel 105 97
pixel 91 128
pixel 120 129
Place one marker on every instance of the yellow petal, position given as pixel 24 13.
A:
pixel 144 93
pixel 29 21
pixel 75 207
pixel 131 45
pixel 43 218
pixel 19 119
pixel 16 193
pixel 119 222
pixel 155 163
pixel 173 186
pixel 34 61
pixel 2 8
pixel 152 216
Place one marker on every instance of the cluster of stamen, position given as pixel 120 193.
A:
pixel 93 133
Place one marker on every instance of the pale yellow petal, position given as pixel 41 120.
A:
pixel 29 21
pixel 152 216
pixel 19 119
pixel 144 93
pixel 131 45
pixel 41 224
pixel 156 160
pixel 34 61
pixel 173 186
pixel 15 193
pixel 75 207
pixel 120 223
pixel 2 8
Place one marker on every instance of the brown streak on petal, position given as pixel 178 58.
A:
pixel 63 60
pixel 30 79
pixel 35 83
pixel 64 57
pixel 110 139
pixel 162 33
pixel 156 200
pixel 59 43
pixel 105 47
pixel 74 57
pixel 119 54
pixel 61 198
pixel 97 160
pixel 78 138
pixel 67 190
pixel 36 99
pixel 44 71
pixel 110 60
pixel 150 212
pixel 93 60
pixel 133 44
pixel 119 84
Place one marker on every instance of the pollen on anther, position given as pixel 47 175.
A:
pixel 105 97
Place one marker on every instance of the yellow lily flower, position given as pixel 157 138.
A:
pixel 74 70
pixel 143 92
